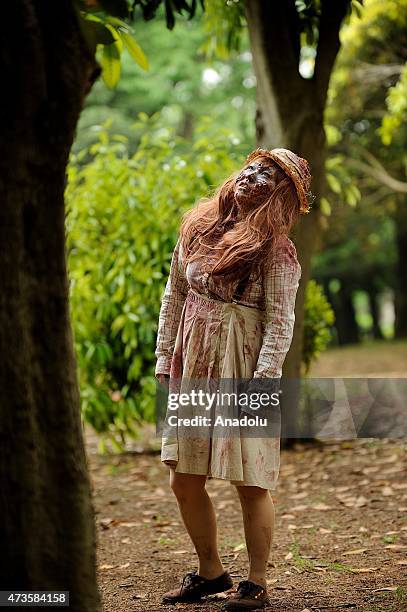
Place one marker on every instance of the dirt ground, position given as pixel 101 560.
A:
pixel 340 539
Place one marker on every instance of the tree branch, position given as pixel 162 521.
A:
pixel 332 15
pixel 375 169
pixel 381 193
pixel 375 73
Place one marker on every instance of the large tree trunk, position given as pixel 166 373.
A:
pixel 345 315
pixel 401 288
pixel 290 112
pixel 47 530
pixel 373 296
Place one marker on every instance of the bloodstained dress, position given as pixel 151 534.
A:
pixel 205 333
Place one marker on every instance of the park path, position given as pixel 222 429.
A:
pixel 340 539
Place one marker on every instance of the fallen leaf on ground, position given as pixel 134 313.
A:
pixel 394 588
pixel 356 551
pixel 321 506
pixel 180 552
pixel 299 495
pixel 288 516
pixel 387 491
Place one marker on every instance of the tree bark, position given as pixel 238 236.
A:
pixel 290 114
pixel 373 295
pixel 47 529
pixel 401 288
pixel 345 317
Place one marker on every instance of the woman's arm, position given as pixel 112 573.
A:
pixel 172 303
pixel 281 281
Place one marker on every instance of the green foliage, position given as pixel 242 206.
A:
pixel 107 36
pixel 367 67
pixel 223 23
pixel 318 320
pixel 339 178
pixel 360 246
pixel 341 182
pixel 396 102
pixel 225 89
pixel 123 215
pixel 225 20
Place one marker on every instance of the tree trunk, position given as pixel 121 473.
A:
pixel 401 276
pixel 346 324
pixel 290 111
pixel 373 295
pixel 47 529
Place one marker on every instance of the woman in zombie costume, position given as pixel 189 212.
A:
pixel 227 314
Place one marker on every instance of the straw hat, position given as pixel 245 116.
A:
pixel 296 167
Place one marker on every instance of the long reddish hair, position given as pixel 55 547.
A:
pixel 229 247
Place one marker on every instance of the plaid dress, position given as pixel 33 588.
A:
pixel 203 332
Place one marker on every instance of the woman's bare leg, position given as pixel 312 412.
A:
pixel 258 520
pixel 199 518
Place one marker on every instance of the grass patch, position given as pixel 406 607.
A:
pixel 398 603
pixel 166 541
pixel 305 564
pixel 390 539
pixel 298 560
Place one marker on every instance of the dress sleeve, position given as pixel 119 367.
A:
pixel 172 303
pixel 281 280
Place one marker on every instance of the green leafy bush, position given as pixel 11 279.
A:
pixel 318 320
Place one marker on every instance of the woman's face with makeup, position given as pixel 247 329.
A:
pixel 254 184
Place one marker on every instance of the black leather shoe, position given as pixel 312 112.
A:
pixel 249 596
pixel 194 587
